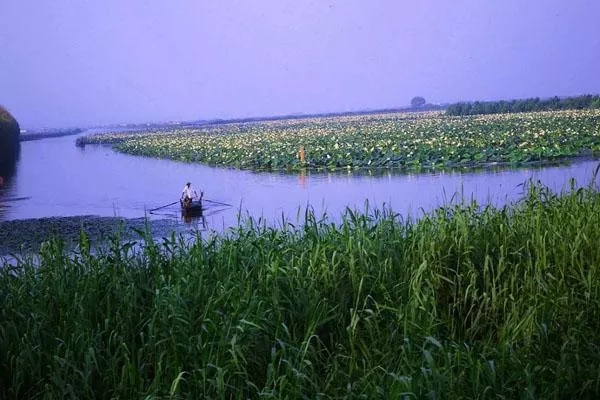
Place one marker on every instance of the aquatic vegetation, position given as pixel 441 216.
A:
pixel 466 302
pixel 404 140
pixel 26 235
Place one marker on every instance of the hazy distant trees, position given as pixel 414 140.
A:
pixel 523 105
pixel 9 136
pixel 417 102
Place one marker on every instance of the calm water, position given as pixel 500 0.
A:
pixel 53 177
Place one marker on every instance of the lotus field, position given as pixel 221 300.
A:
pixel 400 140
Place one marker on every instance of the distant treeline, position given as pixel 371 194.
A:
pixel 426 107
pixel 523 105
pixel 239 120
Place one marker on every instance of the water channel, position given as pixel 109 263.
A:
pixel 53 177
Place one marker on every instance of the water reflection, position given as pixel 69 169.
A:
pixel 491 168
pixel 8 170
pixel 8 165
pixel 302 179
pixel 196 217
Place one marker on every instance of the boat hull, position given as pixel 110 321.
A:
pixel 191 208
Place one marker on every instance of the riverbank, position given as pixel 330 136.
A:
pixel 45 134
pixel 466 302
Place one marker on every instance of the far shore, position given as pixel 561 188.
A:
pixel 37 135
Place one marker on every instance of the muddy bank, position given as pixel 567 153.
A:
pixel 24 236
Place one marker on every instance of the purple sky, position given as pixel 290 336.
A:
pixel 67 63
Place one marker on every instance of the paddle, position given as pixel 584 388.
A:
pixel 218 202
pixel 166 205
pixel 16 198
pixel 175 202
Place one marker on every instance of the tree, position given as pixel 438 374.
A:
pixel 417 102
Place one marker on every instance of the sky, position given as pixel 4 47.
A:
pixel 81 63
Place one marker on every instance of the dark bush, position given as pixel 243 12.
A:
pixel 9 137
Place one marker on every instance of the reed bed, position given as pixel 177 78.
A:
pixel 465 302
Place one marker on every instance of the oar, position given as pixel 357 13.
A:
pixel 16 198
pixel 217 202
pixel 166 205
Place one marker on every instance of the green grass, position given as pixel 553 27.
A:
pixel 466 302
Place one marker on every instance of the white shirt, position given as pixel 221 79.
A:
pixel 188 192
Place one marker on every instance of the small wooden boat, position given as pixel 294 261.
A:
pixel 191 207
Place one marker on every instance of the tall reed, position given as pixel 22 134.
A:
pixel 465 302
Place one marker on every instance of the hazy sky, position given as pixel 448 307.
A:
pixel 66 63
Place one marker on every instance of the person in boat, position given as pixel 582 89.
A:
pixel 188 195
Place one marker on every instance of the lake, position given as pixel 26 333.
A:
pixel 53 177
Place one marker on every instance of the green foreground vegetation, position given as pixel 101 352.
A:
pixel 410 141
pixel 466 302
